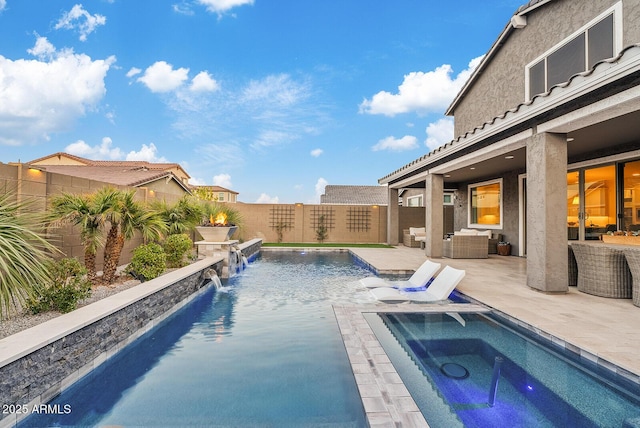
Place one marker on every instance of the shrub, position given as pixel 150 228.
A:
pixel 148 262
pixel 175 248
pixel 68 284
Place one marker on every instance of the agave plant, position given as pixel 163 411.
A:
pixel 23 254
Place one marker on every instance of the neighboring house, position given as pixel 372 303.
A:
pixel 60 158
pixel 548 137
pixel 157 180
pixel 215 193
pixel 354 195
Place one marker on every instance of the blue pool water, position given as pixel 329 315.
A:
pixel 537 386
pixel 264 351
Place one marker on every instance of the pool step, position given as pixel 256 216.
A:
pixel 426 395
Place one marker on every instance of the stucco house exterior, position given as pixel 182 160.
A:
pixel 547 145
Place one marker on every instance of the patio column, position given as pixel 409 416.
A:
pixel 393 220
pixel 547 262
pixel 434 221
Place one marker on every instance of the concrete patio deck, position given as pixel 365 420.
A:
pixel 602 330
pixel 606 328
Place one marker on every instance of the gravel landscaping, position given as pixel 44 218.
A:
pixel 26 320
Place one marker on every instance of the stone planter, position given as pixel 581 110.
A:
pixel 216 233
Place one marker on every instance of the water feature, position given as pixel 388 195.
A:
pixel 263 350
pixel 512 378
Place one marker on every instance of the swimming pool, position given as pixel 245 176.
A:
pixel 451 366
pixel 263 351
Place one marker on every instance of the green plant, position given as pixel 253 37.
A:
pixel 68 284
pixel 87 212
pixel 126 217
pixel 280 228
pixel 321 229
pixel 181 217
pixel 23 253
pixel 148 262
pixel 176 248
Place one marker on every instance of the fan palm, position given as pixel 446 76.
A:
pixel 90 214
pixel 23 253
pixel 127 217
pixel 181 217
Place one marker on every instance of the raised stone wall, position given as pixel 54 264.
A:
pixel 39 363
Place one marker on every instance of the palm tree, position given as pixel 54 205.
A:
pixel 126 217
pixel 23 253
pixel 90 214
pixel 181 217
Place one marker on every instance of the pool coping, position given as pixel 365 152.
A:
pixel 386 400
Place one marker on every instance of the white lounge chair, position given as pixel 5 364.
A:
pixel 440 289
pixel 420 278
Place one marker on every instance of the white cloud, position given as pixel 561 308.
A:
pixel 320 185
pixel 408 142
pixel 194 181
pixel 222 180
pixel 278 89
pixel 316 152
pixel 266 199
pixel 222 6
pixel 439 133
pixel 183 8
pixel 203 82
pixel 104 151
pixel 47 95
pixel 161 77
pixel 420 92
pixel 80 20
pixel 3 4
pixel 133 72
pixel 146 153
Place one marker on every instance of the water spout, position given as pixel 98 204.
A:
pixel 494 380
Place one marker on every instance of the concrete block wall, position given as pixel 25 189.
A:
pixel 39 363
pixel 259 222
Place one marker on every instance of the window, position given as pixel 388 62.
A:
pixel 448 198
pixel 485 204
pixel 595 42
pixel 415 201
pixel 221 197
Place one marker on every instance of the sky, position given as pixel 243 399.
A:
pixel 271 98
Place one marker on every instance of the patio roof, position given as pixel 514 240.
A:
pixel 603 100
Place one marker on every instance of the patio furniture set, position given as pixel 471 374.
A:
pixel 606 270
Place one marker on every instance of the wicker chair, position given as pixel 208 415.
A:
pixel 573 268
pixel 602 270
pixel 409 239
pixel 466 247
pixel 633 260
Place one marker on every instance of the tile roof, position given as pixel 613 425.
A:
pixel 630 54
pixel 117 163
pixel 118 175
pixel 354 195
pixel 215 189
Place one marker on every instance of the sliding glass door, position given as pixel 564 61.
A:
pixel 591 202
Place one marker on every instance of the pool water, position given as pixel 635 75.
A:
pixel 263 351
pixel 537 386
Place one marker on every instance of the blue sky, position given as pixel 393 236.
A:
pixel 271 98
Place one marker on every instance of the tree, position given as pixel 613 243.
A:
pixel 23 254
pixel 181 217
pixel 126 217
pixel 90 215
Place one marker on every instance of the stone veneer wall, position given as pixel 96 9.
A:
pixel 41 371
